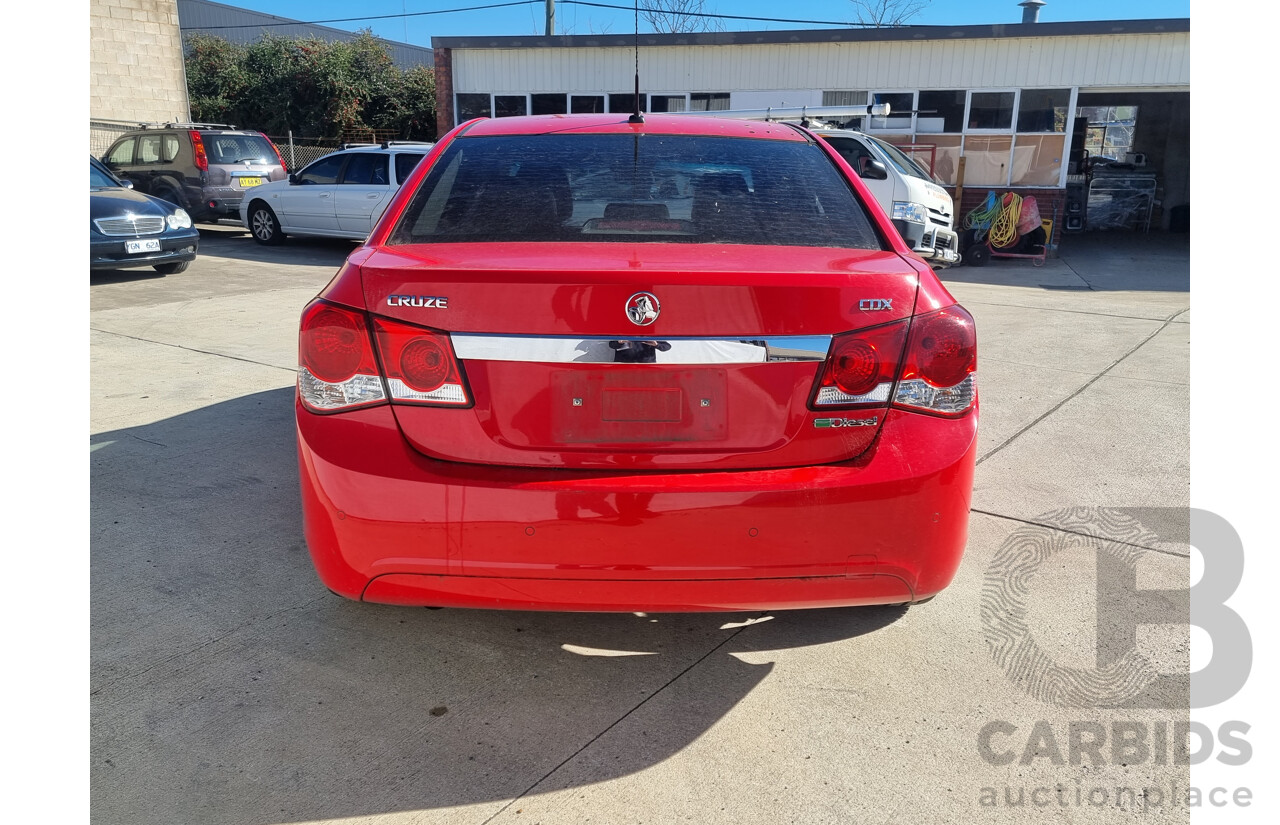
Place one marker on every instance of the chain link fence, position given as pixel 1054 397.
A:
pixel 299 151
pixel 103 133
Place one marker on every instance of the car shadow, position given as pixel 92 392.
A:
pixel 228 686
pixel 1094 262
pixel 122 276
pixel 227 240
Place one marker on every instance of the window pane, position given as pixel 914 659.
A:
pixel 366 168
pixel 667 103
pixel 991 110
pixel 941 112
pixel 898 102
pixel 1037 160
pixel 659 188
pixel 586 104
pixel 472 106
pixel 626 102
pixel 851 149
pixel 549 105
pixel 902 156
pixel 122 153
pixel 149 149
pixel 709 102
pixel 940 154
pixel 1110 132
pixel 169 149
pixel 1043 110
pixel 324 170
pixel 405 164
pixel 510 106
pixel 987 160
pixel 844 98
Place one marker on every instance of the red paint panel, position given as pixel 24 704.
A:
pixel 374 506
pixel 583 288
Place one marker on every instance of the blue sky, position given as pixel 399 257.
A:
pixel 529 18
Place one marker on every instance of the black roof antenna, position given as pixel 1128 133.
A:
pixel 636 117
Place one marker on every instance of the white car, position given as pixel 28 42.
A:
pixel 341 195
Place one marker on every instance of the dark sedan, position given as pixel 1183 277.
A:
pixel 129 229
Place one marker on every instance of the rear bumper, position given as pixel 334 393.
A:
pixel 223 201
pixel 387 524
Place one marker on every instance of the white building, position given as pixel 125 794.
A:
pixel 1020 102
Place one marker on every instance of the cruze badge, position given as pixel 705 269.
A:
pixel 873 304
pixel 643 308
pixel 428 301
pixel 821 423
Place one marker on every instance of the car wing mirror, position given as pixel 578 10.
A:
pixel 293 178
pixel 127 184
pixel 872 169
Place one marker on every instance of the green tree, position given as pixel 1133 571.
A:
pixel 216 77
pixel 316 88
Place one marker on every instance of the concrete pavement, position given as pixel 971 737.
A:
pixel 228 686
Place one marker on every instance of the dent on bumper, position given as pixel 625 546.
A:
pixel 384 523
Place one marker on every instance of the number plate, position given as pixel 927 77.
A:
pixel 134 247
pixel 245 183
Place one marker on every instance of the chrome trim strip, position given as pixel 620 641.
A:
pixel 565 350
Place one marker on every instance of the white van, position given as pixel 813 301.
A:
pixel 921 210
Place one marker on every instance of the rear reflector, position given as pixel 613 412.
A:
pixel 420 365
pixel 336 367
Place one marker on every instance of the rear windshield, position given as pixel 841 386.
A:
pixel 658 188
pixel 238 148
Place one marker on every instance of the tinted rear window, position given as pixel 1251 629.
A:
pixel 635 188
pixel 238 148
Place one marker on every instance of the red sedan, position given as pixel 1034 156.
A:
pixel 587 364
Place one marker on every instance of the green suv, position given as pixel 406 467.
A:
pixel 206 168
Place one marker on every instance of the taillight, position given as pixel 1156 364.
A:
pixel 861 367
pixel 941 358
pixel 336 365
pixel 197 145
pixel 275 149
pixel 420 365
pixel 932 357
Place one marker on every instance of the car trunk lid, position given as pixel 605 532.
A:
pixel 560 375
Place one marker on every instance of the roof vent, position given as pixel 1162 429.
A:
pixel 1031 10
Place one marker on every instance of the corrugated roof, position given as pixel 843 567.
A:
pixel 245 26
pixel 898 33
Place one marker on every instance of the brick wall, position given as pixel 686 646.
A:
pixel 135 62
pixel 444 90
